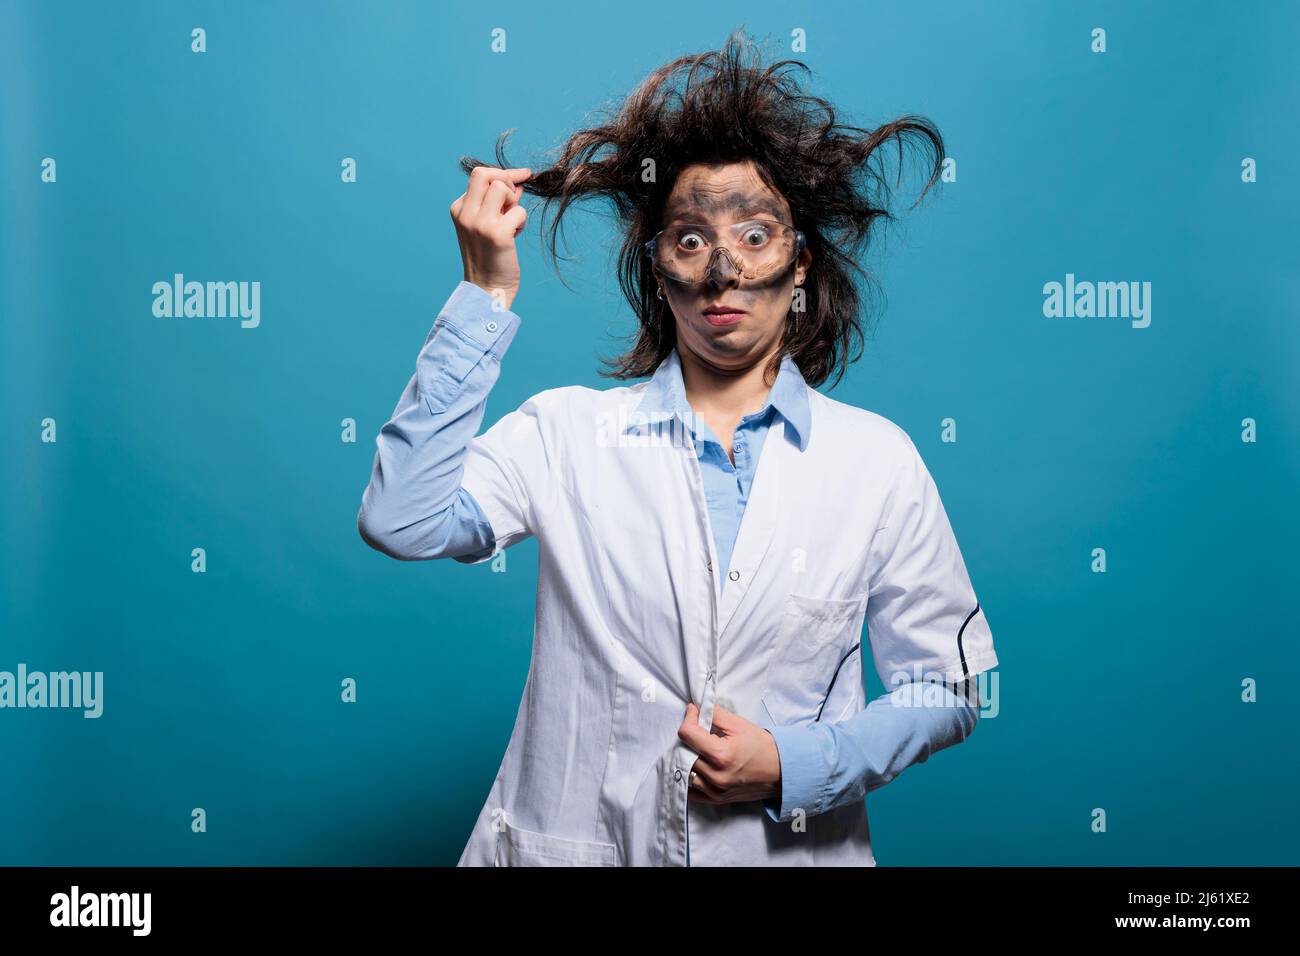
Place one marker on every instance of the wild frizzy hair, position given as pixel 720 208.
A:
pixel 729 106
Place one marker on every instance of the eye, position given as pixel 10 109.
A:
pixel 691 242
pixel 756 235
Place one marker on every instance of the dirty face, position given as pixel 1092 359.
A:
pixel 728 321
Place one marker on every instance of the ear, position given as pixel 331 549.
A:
pixel 802 264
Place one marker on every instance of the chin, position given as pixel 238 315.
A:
pixel 725 339
pixel 730 346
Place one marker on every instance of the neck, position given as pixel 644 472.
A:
pixel 733 392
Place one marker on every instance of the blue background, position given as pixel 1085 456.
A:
pixel 1118 690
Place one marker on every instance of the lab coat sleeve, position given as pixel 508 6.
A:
pixel 926 629
pixel 414 507
pixel 826 765
pixel 924 620
pixel 507 470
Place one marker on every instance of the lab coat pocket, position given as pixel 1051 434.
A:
pixel 519 847
pixel 816 637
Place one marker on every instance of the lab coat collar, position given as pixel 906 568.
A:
pixel 665 397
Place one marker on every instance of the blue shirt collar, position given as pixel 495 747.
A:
pixel 665 396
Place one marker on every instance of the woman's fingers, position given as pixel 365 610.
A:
pixel 515 219
pixel 488 217
pixel 701 783
pixel 481 179
pixel 499 197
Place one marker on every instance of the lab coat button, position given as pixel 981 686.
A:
pixel 734 575
pixel 677 775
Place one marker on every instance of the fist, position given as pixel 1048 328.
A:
pixel 488 217
pixel 738 760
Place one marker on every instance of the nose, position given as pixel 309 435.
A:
pixel 723 270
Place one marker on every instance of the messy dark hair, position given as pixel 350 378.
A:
pixel 727 106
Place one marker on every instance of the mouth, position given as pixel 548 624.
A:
pixel 723 315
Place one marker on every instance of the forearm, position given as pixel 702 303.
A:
pixel 413 507
pixel 826 765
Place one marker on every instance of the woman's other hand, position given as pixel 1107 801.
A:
pixel 738 760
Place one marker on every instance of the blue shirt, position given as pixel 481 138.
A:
pixel 414 509
pixel 727 486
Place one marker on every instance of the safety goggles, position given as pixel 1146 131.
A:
pixel 749 250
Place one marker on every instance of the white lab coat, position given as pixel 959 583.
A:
pixel 631 623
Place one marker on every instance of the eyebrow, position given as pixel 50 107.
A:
pixel 701 203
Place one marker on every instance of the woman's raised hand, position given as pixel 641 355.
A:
pixel 488 217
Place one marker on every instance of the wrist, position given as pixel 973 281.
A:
pixel 503 294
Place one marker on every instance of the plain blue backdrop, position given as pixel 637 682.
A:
pixel 1119 691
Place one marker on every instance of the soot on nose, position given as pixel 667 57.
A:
pixel 721 265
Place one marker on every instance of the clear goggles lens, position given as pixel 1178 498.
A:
pixel 754 249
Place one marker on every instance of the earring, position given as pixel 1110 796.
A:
pixel 660 292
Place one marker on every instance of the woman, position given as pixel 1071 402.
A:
pixel 711 540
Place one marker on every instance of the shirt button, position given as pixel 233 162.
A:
pixel 734 575
pixel 491 326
